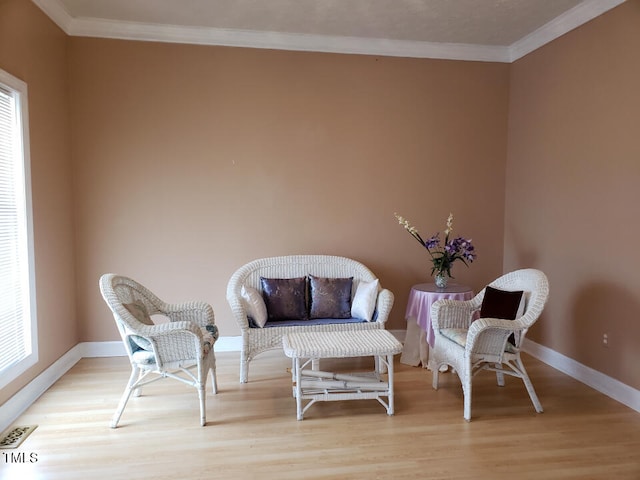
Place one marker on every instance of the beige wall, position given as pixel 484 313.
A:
pixel 191 161
pixel 572 188
pixel 33 49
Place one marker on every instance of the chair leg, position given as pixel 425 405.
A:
pixel 203 405
pixel 434 382
pixel 138 391
pixel 204 366
pixel 244 368
pixel 214 376
pixel 434 363
pixel 499 375
pixel 465 373
pixel 466 390
pixel 135 373
pixel 527 383
pixel 214 379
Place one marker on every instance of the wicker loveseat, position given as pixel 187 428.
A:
pixel 256 340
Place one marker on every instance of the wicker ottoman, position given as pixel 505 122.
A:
pixel 305 348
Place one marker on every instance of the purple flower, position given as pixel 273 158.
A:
pixel 443 257
pixel 433 242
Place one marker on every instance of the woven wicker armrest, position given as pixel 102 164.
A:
pixel 175 340
pixel 160 329
pixel 237 309
pixel 200 313
pixel 491 334
pixel 448 313
pixel 384 305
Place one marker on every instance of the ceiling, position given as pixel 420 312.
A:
pixel 481 30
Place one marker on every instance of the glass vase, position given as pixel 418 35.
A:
pixel 441 280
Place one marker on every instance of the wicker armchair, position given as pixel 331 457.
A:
pixel 259 340
pixel 172 349
pixel 471 346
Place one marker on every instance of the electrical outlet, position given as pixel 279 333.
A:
pixel 605 340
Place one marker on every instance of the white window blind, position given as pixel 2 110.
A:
pixel 18 346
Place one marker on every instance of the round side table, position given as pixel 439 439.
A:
pixel 420 334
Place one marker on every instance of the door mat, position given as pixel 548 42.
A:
pixel 13 437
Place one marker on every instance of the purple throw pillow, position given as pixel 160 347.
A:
pixel 330 297
pixel 285 298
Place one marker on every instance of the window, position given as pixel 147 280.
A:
pixel 18 340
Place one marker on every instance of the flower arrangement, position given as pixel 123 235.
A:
pixel 443 255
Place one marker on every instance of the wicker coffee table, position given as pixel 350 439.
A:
pixel 305 348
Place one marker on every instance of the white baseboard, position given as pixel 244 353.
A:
pixel 16 405
pixel 102 349
pixel 611 387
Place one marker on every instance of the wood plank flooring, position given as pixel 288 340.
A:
pixel 252 431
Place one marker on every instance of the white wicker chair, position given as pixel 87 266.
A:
pixel 482 344
pixel 171 349
pixel 258 340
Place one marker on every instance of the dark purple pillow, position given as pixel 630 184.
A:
pixel 330 297
pixel 501 304
pixel 285 298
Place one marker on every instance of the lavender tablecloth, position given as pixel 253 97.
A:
pixel 420 334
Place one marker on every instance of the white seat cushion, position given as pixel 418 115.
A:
pixel 459 336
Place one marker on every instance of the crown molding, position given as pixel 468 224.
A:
pixel 55 10
pixel 569 20
pixel 92 27
pixel 284 41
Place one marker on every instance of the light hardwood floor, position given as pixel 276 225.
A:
pixel 252 431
